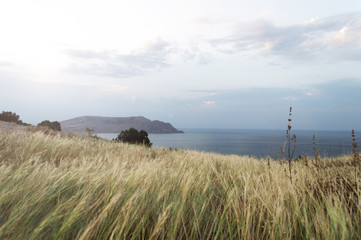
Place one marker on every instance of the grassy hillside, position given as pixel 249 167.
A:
pixel 62 187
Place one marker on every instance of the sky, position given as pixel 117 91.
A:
pixel 196 64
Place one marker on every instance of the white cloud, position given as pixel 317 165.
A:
pixel 312 20
pixel 194 52
pixel 327 38
pixel 4 64
pixel 204 21
pixel 153 57
pixel 293 99
pixel 348 35
pixel 209 102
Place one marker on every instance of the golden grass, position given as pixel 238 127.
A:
pixel 61 187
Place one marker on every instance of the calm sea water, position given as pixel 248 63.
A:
pixel 258 143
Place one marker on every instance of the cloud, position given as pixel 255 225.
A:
pixel 4 64
pixel 194 52
pixel 335 95
pixel 312 20
pixel 293 99
pixel 209 92
pixel 342 93
pixel 202 93
pixel 332 105
pixel 336 37
pixel 204 21
pixel 153 57
pixel 209 102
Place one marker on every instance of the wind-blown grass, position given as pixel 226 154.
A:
pixel 56 187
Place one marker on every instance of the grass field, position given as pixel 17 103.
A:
pixel 69 187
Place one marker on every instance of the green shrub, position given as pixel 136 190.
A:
pixel 52 125
pixel 134 137
pixel 10 117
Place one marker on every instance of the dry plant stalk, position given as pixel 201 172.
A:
pixel 355 153
pixel 356 160
pixel 305 160
pixel 282 153
pixel 315 151
pixel 291 145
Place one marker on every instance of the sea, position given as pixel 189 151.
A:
pixel 258 143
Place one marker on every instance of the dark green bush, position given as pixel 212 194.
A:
pixel 52 125
pixel 10 117
pixel 134 137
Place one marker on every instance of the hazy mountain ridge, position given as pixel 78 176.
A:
pixel 116 124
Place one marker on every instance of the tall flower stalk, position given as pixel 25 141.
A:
pixel 290 145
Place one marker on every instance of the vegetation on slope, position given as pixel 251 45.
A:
pixel 59 187
pixel 12 118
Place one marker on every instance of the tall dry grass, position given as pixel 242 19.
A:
pixel 58 187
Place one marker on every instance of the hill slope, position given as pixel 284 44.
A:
pixel 54 187
pixel 116 124
pixel 11 126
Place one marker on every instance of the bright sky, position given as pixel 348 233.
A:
pixel 195 64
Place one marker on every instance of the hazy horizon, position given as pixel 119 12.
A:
pixel 220 128
pixel 206 64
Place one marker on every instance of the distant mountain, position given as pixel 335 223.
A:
pixel 116 124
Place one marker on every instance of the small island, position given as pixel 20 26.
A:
pixel 116 124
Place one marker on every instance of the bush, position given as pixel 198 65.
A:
pixel 134 137
pixel 10 117
pixel 52 125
